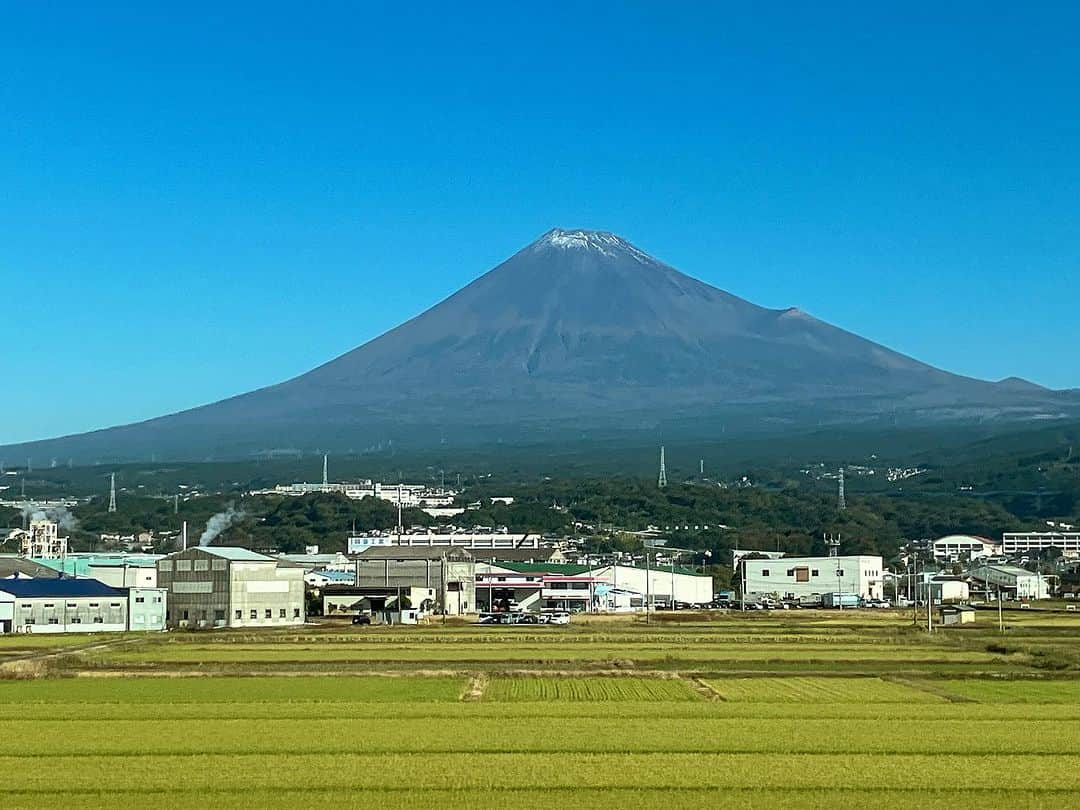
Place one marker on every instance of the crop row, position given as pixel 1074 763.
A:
pixel 566 735
pixel 589 689
pixel 404 771
pixel 941 797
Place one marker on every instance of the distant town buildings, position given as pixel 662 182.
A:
pixel 1017 543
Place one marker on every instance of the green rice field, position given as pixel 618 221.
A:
pixel 670 716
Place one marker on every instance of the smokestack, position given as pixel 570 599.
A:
pixel 183 536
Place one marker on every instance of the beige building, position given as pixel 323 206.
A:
pixel 221 586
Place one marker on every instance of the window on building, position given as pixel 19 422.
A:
pixel 239 614
pixel 29 619
pixel 98 620
pixel 140 599
pixel 183 614
pixel 72 605
pixel 296 613
pixel 764 572
pixel 54 620
pixel 254 614
pixel 27 607
pixel 282 614
pixel 218 565
pixel 165 565
pixel 791 572
pixel 183 565
pixel 201 565
pixel 94 604
pixel 815 573
pixel 219 615
pixel 157 600
pixel 76 620
pixel 114 604
pixel 49 605
pixel 269 613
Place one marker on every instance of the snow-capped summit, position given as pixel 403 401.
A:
pixel 604 242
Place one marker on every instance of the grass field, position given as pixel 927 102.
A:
pixel 808 712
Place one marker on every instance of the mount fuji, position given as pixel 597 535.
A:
pixel 580 333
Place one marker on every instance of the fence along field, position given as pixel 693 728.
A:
pixel 250 733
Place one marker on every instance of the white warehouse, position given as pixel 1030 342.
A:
pixel 955 547
pixel 810 578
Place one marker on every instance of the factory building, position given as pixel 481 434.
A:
pixel 65 605
pixel 503 585
pixel 471 540
pixel 942 589
pixel 221 586
pixel 810 578
pixel 1013 582
pixel 955 547
pixel 1017 543
pixel 121 569
pixel 449 572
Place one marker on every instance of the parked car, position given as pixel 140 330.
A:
pixel 559 618
pixel 361 618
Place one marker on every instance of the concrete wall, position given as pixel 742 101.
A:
pixel 811 577
pixel 147 608
pixel 124 576
pixel 262 595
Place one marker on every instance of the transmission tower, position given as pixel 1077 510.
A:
pixel 112 492
pixel 662 481
pixel 833 543
pixel 841 503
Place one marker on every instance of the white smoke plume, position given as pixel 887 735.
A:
pixel 219 523
pixel 60 515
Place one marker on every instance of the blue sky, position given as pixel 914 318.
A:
pixel 198 201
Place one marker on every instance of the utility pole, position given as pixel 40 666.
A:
pixel 648 573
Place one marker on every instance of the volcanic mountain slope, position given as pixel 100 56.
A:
pixel 579 330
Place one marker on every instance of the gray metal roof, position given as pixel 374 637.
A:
pixel 236 554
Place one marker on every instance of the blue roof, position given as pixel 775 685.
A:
pixel 340 576
pixel 58 587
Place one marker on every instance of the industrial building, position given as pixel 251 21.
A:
pixel 956 547
pixel 502 585
pixel 810 578
pixel 120 569
pixel 221 586
pixel 471 540
pixel 942 589
pixel 66 605
pixel 1011 581
pixel 449 572
pixel 1017 543
pixel 377 600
